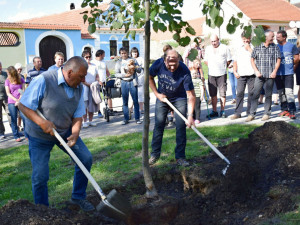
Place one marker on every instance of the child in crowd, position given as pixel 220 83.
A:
pixel 199 87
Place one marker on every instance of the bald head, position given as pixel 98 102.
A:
pixel 75 70
pixel 214 40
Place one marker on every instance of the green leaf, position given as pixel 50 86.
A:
pixel 133 33
pixel 117 2
pixel 85 17
pixel 139 15
pixel 240 15
pixel 248 31
pixel 117 25
pixel 236 22
pixel 162 27
pixel 213 12
pixel 190 30
pixel 193 54
pixel 100 22
pixel 219 21
pixel 230 28
pixel 155 26
pixel 256 41
pixel 184 41
pixel 153 14
pixel 166 17
pixel 92 28
pixel 91 20
pixel 176 36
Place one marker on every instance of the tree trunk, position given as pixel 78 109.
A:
pixel 150 188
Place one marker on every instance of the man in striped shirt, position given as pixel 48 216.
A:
pixel 265 60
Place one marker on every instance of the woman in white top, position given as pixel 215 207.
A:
pixel 92 76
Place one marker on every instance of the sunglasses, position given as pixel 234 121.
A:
pixel 87 57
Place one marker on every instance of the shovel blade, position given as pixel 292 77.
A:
pixel 121 209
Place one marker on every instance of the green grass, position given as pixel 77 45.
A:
pixel 116 159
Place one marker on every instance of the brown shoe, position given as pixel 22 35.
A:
pixel 235 116
pixel 249 118
pixel 265 117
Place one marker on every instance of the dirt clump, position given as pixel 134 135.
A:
pixel 261 182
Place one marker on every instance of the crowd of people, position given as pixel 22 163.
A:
pixel 68 95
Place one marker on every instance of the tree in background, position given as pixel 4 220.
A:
pixel 164 15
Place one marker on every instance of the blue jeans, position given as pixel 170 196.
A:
pixel 233 84
pixel 39 152
pixel 127 87
pixel 13 111
pixel 161 112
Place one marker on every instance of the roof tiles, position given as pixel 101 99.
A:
pixel 273 10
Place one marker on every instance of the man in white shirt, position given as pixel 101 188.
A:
pixel 217 58
pixel 103 74
pixel 244 73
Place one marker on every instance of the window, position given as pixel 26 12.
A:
pixel 125 45
pixel 113 48
pixel 9 39
pixel 281 28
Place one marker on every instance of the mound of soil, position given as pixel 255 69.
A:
pixel 262 181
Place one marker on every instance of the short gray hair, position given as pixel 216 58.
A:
pixel 75 63
pixel 268 31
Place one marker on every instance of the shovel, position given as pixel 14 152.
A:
pixel 202 137
pixel 113 205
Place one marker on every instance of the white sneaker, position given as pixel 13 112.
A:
pixel 93 124
pixel 85 124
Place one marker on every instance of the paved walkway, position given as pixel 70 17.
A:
pixel 114 127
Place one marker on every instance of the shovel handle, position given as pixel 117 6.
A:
pixel 77 160
pixel 199 134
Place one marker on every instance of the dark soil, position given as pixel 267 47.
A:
pixel 262 181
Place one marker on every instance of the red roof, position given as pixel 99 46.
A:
pixel 195 23
pixel 274 10
pixel 68 18
pixel 38 26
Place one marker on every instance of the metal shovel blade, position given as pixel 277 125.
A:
pixel 115 206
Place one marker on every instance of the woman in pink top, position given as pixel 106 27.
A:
pixel 12 85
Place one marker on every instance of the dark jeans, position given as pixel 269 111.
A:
pixel 241 86
pixel 258 85
pixel 4 106
pixel 127 87
pixel 285 87
pixel 13 110
pixel 161 112
pixel 39 152
pixel 197 111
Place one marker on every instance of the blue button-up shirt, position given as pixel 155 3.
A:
pixel 35 92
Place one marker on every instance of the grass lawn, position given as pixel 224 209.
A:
pixel 116 159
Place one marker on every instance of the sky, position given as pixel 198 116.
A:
pixel 17 10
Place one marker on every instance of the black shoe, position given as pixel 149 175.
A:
pixel 84 204
pixel 153 160
pixel 213 114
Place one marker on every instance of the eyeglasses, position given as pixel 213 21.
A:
pixel 87 57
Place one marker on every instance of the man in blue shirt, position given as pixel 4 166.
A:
pixel 175 84
pixel 37 69
pixel 59 96
pixel 285 74
pixel 59 59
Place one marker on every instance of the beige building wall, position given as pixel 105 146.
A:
pixel 11 55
